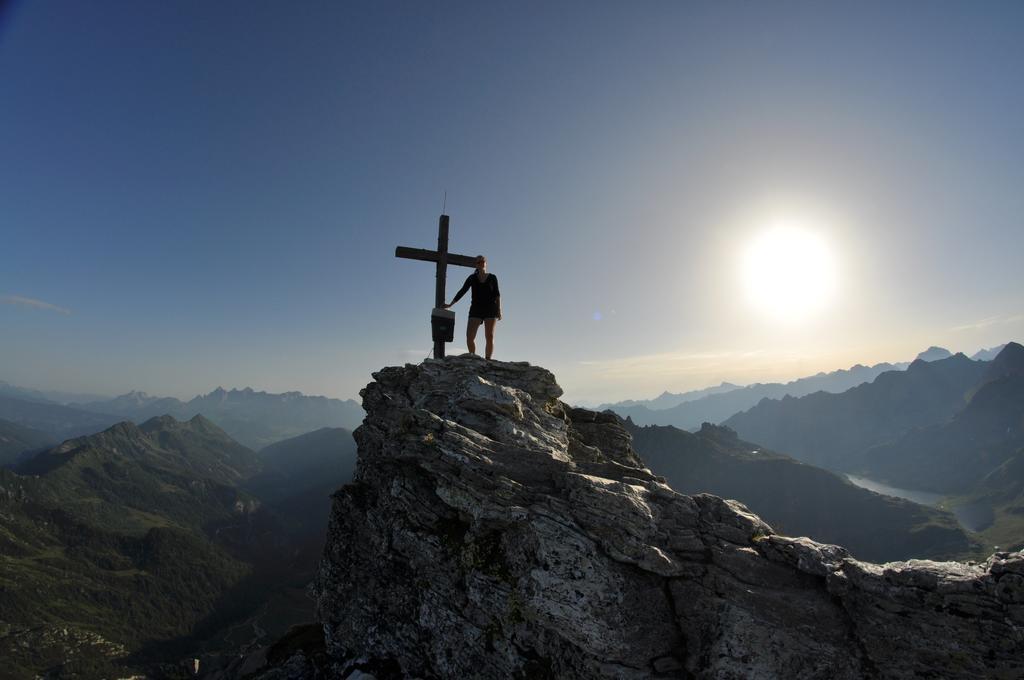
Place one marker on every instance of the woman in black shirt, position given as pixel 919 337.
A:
pixel 485 307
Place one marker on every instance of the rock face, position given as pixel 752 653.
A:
pixel 494 532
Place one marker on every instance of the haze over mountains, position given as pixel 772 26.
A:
pixel 718 405
pixel 669 399
pixel 56 396
pixel 56 421
pixel 828 429
pixel 254 418
pixel 687 410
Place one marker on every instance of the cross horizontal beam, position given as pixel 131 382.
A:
pixel 433 256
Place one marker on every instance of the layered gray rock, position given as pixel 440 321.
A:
pixel 492 531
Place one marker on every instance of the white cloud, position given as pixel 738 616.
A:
pixel 990 321
pixel 35 304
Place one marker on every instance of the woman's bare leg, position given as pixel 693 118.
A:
pixel 489 334
pixel 471 334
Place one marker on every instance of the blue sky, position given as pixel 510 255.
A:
pixel 211 193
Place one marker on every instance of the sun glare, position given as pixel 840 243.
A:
pixel 788 272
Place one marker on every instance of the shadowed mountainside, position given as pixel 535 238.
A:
pixel 831 430
pixel 987 354
pixel 300 474
pixel 949 457
pixel 798 499
pixel 17 440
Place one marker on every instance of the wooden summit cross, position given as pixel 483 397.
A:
pixel 443 258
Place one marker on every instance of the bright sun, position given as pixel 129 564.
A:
pixel 788 272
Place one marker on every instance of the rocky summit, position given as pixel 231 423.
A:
pixel 493 531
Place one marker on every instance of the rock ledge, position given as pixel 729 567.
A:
pixel 493 531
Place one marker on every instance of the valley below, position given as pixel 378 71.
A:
pixel 973 517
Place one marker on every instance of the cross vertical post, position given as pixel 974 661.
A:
pixel 442 274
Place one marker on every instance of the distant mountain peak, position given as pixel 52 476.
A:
pixel 197 424
pixel 123 427
pixel 920 364
pixel 718 432
pixel 1009 361
pixel 1011 349
pixel 201 422
pixel 159 423
pixel 988 354
pixel 934 353
pixel 121 438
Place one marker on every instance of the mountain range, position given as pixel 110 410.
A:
pixel 256 419
pixel 57 421
pixel 988 354
pixel 55 396
pixel 949 455
pixel 717 406
pixel 687 410
pixel 669 399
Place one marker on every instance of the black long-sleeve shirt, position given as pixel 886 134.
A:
pixel 485 304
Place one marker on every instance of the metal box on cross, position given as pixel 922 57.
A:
pixel 442 325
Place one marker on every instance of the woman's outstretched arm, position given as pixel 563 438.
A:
pixel 462 291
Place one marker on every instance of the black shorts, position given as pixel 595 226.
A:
pixel 483 312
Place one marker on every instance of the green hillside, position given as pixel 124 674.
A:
pixel 139 547
pixel 115 536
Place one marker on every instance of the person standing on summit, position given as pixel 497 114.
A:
pixel 485 307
